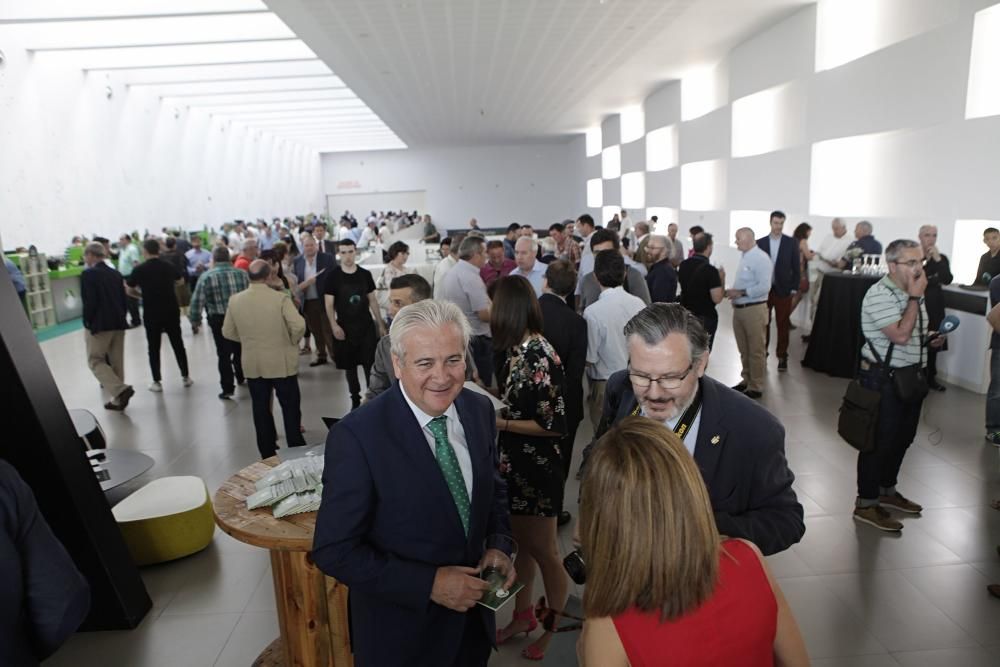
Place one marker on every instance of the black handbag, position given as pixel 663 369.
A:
pixel 858 421
pixel 910 382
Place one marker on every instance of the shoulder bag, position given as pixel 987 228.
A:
pixel 858 421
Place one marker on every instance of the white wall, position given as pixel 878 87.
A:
pixel 497 185
pixel 74 162
pixel 853 108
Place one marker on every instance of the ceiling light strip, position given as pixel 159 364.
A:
pixel 229 79
pixel 255 92
pixel 120 17
pixel 100 47
pixel 235 62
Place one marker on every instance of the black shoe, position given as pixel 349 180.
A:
pixel 241 381
pixel 936 387
pixel 741 387
pixel 355 402
pixel 783 365
pixel 318 362
pixel 805 339
pixel 123 398
pixel 792 327
pixel 226 395
pixel 750 393
pixel 564 518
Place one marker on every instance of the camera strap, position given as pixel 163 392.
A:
pixel 683 424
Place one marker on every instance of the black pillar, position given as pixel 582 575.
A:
pixel 40 441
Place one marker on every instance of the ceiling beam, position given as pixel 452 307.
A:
pixel 56 49
pixel 118 17
pixel 236 62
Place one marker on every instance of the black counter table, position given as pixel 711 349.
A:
pixel 836 334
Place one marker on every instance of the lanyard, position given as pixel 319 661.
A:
pixel 684 423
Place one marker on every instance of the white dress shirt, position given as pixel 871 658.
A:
pixel 606 319
pixel 456 436
pixel 440 271
pixel 832 249
pixel 691 438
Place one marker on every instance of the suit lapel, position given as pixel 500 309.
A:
pixel 711 432
pixel 482 489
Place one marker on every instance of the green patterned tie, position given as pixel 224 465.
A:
pixel 448 462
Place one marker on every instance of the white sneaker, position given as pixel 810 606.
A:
pixel 188 381
pixel 156 388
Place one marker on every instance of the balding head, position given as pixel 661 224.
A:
pixel 524 253
pixel 260 271
pixel 744 239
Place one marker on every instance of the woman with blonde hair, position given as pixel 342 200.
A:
pixel 663 588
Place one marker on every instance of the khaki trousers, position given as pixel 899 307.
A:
pixel 595 401
pixel 750 329
pixel 814 288
pixel 105 356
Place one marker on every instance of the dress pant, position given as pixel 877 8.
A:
pixel 782 306
pixel 711 324
pixel 595 401
pixel 993 393
pixel 155 328
pixel 319 324
pixel 354 382
pixel 750 329
pixel 230 354
pixel 897 426
pixel 105 356
pixel 287 390
pixel 133 311
pixel 482 354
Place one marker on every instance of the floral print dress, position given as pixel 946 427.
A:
pixel 531 385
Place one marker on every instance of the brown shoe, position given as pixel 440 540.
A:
pixel 878 517
pixel 123 398
pixel 898 502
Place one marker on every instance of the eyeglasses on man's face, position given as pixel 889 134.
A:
pixel 911 263
pixel 640 381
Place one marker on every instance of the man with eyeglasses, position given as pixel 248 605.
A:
pixel 894 324
pixel 739 446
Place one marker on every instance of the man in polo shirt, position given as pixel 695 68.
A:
pixel 528 267
pixel 892 315
pixel 464 287
pixel 606 318
pixel 749 296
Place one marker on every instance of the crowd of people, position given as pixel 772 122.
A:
pixel 404 524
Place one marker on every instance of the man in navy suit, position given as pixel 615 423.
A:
pixel 411 490
pixel 311 270
pixel 784 253
pixel 738 445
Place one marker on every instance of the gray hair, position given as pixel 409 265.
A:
pixel 94 249
pixel 865 225
pixel 431 313
pixel 656 321
pixel 896 248
pixel 529 240
pixel 470 246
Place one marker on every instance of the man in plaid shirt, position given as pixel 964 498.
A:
pixel 212 294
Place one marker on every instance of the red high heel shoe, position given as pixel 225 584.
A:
pixel 526 615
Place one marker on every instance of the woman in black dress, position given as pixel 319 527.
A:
pixel 530 428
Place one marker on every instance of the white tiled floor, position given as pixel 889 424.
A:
pixel 862 598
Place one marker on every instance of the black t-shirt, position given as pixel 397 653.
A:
pixel 156 278
pixel 698 277
pixel 350 298
pixel 987 265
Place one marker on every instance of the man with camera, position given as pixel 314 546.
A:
pixel 738 445
pixel 894 323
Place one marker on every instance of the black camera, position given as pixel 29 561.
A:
pixel 576 567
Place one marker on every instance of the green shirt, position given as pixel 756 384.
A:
pixel 882 306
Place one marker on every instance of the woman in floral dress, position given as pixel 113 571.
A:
pixel 530 427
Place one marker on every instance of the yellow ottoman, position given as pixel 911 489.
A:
pixel 168 518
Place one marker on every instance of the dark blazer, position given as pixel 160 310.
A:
pixel 323 261
pixel 938 274
pixel 567 331
pixel 662 282
pixel 787 269
pixel 388 521
pixel 741 455
pixel 43 597
pixel 104 304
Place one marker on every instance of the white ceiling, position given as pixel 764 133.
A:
pixel 233 60
pixel 446 72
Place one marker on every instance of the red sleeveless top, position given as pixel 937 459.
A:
pixel 735 626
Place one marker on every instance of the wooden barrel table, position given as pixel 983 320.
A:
pixel 312 608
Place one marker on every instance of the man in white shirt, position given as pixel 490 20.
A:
pixel 627 230
pixel 528 267
pixel 585 228
pixel 464 287
pixel 606 318
pixel 831 250
pixel 444 266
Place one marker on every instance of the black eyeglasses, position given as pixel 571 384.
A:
pixel 663 382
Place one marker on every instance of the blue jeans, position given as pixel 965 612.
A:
pixel 993 393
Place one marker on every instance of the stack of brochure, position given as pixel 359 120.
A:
pixel 290 488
